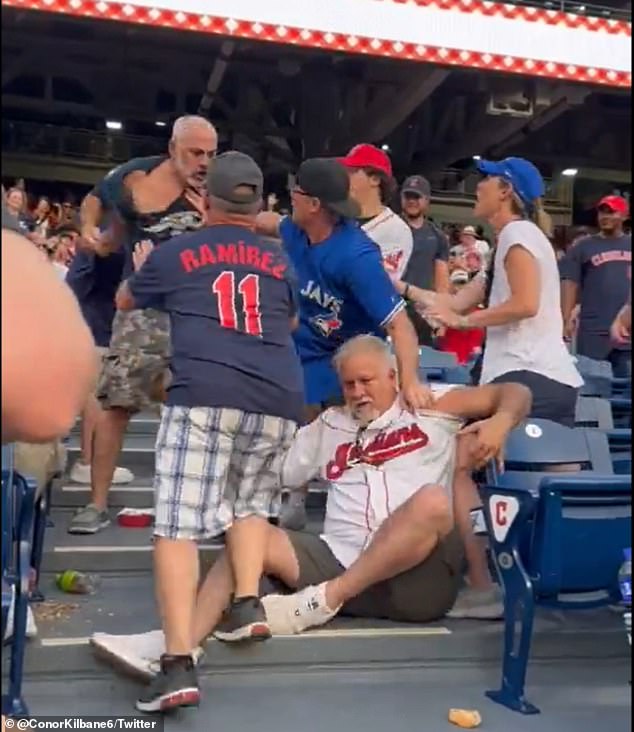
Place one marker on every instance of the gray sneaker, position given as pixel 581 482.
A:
pixel 89 520
pixel 478 605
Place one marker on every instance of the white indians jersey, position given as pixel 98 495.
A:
pixel 394 238
pixel 371 471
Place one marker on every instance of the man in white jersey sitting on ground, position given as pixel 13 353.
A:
pixel 389 548
pixel 372 186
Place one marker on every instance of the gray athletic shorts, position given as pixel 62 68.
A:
pixel 422 594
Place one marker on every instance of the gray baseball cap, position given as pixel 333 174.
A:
pixel 232 170
pixel 418 185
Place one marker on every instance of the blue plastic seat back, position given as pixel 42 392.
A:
pixel 597 376
pixel 8 506
pixel 594 412
pixel 458 375
pixel 581 527
pixel 539 445
pixel 430 358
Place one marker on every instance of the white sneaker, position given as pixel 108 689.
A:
pixel 292 614
pixel 138 654
pixel 81 473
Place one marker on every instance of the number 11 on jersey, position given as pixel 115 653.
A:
pixel 224 288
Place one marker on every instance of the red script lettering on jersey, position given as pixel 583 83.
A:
pixel 383 448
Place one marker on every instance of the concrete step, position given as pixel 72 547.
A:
pixel 115 548
pixel 140 494
pixel 124 603
pixel 573 697
pixel 137 454
pixel 144 423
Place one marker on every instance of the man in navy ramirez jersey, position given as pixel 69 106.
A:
pixel 343 287
pixel 146 199
pixel 233 405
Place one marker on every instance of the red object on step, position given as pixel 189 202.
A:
pixel 131 518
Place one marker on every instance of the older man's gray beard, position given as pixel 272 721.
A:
pixel 364 414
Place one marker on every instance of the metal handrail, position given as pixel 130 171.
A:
pixel 577 7
pixel 46 139
pixel 113 148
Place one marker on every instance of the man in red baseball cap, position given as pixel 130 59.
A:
pixel 595 273
pixel 372 186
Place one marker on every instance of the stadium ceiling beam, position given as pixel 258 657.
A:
pixel 566 99
pixel 216 77
pixel 391 108
pixel 490 135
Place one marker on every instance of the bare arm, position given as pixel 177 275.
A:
pixel 441 276
pixel 498 407
pixel 569 298
pixel 469 297
pixel 49 361
pixel 90 213
pixel 124 299
pixel 268 224
pixel 405 343
pixel 524 282
pixel 511 402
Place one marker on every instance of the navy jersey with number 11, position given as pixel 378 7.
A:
pixel 230 296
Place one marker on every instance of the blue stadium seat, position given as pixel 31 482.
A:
pixel 597 376
pixel 18 496
pixel 557 537
pixel 594 412
pixel 458 375
pixel 597 413
pixel 430 358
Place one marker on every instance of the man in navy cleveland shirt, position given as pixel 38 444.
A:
pixel 596 273
pixel 232 409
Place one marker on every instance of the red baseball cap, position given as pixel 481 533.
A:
pixel 368 156
pixel 616 204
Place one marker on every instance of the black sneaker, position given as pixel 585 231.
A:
pixel 244 620
pixel 176 685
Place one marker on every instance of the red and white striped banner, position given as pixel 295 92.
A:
pixel 468 33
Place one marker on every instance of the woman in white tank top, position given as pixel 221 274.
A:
pixel 524 333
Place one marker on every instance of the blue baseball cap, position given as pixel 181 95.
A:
pixel 526 180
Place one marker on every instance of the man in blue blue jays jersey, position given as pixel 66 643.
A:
pixel 343 288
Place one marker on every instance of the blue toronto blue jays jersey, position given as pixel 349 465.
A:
pixel 343 288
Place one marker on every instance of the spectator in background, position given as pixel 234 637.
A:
pixel 456 260
pixel 95 280
pixel 16 202
pixel 621 330
pixel 372 186
pixel 476 250
pixel 465 344
pixel 427 268
pixel 48 361
pixel 595 274
pixel 43 217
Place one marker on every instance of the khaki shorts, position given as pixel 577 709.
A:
pixel 422 594
pixel 136 366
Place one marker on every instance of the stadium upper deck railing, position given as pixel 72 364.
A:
pixel 57 142
pixel 578 7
